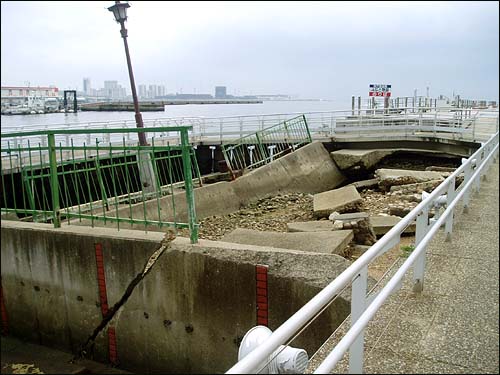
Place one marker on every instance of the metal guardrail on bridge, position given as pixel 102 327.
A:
pixel 363 307
pixel 264 146
pixel 97 181
pixel 461 123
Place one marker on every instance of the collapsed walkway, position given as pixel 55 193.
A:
pixel 453 325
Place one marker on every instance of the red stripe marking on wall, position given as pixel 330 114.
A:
pixel 5 321
pixel 261 294
pixel 103 298
pixel 113 354
pixel 101 279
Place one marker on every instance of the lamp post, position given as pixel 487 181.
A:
pixel 120 12
pixel 146 172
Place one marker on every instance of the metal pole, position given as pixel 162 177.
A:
pixel 54 183
pixel 353 105
pixel 188 183
pixel 358 307
pixel 419 266
pixel 138 116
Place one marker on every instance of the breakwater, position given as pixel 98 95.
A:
pixel 152 106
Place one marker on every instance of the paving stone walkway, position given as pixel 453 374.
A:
pixel 453 325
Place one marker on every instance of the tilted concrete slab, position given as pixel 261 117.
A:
pixel 390 177
pixel 365 184
pixel 339 200
pixel 383 224
pixel 329 242
pixel 310 169
pixel 310 226
pixel 366 159
pixel 349 216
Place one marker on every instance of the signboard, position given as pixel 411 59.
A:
pixel 380 90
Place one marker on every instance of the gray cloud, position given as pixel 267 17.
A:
pixel 314 49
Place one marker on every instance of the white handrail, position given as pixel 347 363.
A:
pixel 289 328
pixel 336 354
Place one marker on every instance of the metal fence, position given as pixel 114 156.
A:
pixel 264 146
pixel 442 201
pixel 456 122
pixel 71 176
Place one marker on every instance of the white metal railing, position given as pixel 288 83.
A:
pixel 362 308
pixel 322 124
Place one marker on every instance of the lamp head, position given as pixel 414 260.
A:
pixel 119 11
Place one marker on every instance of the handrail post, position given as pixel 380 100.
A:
pixel 220 130
pixel 477 181
pixel 188 181
pixel 450 196
pixel 467 175
pixel 54 183
pixel 435 120
pixel 419 267
pixel 358 306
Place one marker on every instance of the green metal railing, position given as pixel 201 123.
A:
pixel 58 176
pixel 262 147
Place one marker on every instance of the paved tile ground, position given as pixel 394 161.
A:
pixel 453 325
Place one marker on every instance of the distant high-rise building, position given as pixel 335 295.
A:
pixel 220 92
pixel 113 90
pixel 161 90
pixel 153 91
pixel 86 86
pixel 110 85
pixel 143 91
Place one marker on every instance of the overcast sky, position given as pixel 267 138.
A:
pixel 324 50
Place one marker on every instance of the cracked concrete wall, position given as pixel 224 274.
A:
pixel 187 316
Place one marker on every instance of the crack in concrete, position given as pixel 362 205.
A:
pixel 89 344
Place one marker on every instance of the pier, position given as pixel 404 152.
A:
pixel 155 106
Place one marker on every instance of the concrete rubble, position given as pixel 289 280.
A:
pixel 365 184
pixel 362 159
pixel 382 224
pixel 391 177
pixel 418 187
pixel 359 222
pixel 341 200
pixel 310 226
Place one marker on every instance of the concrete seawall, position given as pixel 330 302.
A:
pixel 187 315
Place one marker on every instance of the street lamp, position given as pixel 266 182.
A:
pixel 146 171
pixel 120 12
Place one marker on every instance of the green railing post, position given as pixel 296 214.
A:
pixel 188 181
pixel 54 184
pixel 260 147
pixel 307 128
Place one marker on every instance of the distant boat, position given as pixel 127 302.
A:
pixel 21 109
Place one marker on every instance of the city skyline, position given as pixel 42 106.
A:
pixel 326 50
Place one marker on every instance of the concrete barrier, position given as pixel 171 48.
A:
pixel 187 315
pixel 310 169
